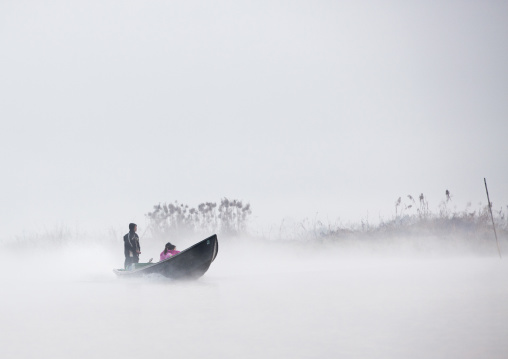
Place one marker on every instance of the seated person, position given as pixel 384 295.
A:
pixel 169 251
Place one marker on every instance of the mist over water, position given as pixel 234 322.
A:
pixel 324 110
pixel 259 299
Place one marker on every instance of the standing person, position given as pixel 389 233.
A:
pixel 131 246
pixel 168 251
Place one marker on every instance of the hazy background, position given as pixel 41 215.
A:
pixel 300 107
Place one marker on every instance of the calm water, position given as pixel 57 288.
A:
pixel 258 303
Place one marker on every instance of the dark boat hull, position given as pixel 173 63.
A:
pixel 191 263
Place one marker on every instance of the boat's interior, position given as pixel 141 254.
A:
pixel 135 266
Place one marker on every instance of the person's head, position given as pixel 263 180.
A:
pixel 133 227
pixel 169 246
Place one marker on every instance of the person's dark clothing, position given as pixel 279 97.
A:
pixel 130 260
pixel 131 248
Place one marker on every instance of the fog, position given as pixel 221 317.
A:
pixel 259 299
pixel 328 110
pixel 333 108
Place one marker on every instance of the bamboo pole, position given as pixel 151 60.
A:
pixel 492 217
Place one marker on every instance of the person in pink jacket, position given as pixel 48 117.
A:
pixel 168 251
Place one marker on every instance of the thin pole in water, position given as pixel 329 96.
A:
pixel 492 217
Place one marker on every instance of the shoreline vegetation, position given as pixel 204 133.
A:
pixel 413 221
pixel 413 218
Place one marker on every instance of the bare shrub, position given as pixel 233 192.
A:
pixel 228 218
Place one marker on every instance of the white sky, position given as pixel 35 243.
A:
pixel 299 107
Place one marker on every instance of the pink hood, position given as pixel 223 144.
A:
pixel 169 254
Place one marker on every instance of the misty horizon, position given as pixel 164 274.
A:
pixel 332 108
pixel 322 115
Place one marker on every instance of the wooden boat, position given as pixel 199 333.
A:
pixel 191 263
